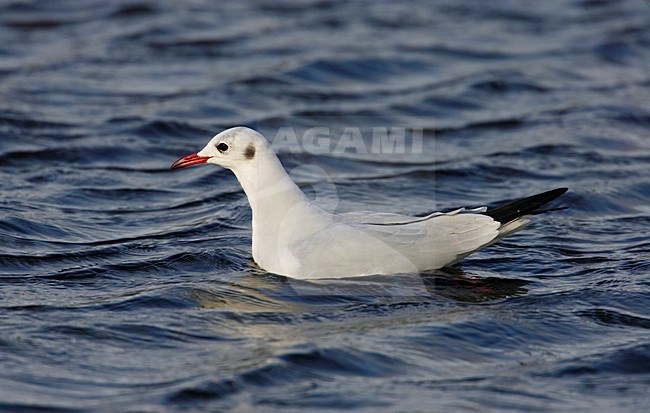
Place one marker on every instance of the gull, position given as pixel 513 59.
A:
pixel 295 238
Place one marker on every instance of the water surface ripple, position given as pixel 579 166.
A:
pixel 125 286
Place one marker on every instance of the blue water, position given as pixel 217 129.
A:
pixel 128 287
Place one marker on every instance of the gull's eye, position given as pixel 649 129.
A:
pixel 222 147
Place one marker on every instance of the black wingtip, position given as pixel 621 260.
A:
pixel 525 206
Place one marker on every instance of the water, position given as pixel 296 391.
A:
pixel 125 286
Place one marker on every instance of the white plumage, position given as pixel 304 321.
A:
pixel 295 238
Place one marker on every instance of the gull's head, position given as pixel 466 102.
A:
pixel 233 148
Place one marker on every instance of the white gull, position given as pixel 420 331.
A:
pixel 295 238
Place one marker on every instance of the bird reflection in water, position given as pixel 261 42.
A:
pixel 450 283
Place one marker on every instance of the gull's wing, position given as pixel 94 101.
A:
pixel 392 243
pixel 504 214
pixel 439 239
pixel 380 243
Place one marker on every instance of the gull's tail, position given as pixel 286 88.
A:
pixel 525 206
pixel 512 215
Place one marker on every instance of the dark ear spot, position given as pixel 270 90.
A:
pixel 249 153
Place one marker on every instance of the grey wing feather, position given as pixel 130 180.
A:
pixel 380 218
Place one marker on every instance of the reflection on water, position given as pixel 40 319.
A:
pixel 126 287
pixel 449 283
